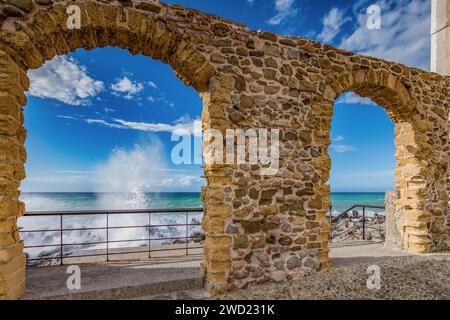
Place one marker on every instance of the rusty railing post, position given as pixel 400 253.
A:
pixel 187 233
pixel 107 237
pixel 61 244
pixel 149 235
pixel 364 224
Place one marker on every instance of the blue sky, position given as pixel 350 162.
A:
pixel 102 120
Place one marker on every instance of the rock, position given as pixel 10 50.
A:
pixel 220 29
pixel 12 11
pixel 251 227
pixel 285 241
pixel 293 262
pixel 271 50
pixel 278 276
pixel 253 194
pixel 151 7
pixel 231 229
pixel 251 44
pixel 301 240
pixel 269 226
pixel 271 63
pixel 240 242
pixel 268 36
pixel 263 260
pixel 44 2
pixel 268 194
pixel 287 42
pixel 25 5
pixel 126 3
pixel 310 263
pixel 286 228
pixel 222 43
pixel 290 136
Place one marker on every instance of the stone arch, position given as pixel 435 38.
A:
pixel 29 41
pixel 422 228
pixel 46 35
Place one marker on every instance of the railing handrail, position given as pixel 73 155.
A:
pixel 334 219
pixel 362 219
pixel 100 212
pixel 148 239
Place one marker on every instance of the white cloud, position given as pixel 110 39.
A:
pixel 75 171
pixel 158 127
pixel 332 24
pixel 339 138
pixel 353 98
pixel 182 125
pixel 404 35
pixel 342 148
pixel 283 10
pixel 105 123
pixel 64 79
pixel 127 88
pixel 153 85
pixel 66 117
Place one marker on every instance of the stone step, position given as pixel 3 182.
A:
pixel 113 281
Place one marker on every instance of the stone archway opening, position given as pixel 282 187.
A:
pixel 412 214
pixel 134 175
pixel 120 126
pixel 362 171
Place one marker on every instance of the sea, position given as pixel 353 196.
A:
pixel 94 236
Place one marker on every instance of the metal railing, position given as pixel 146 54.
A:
pixel 109 213
pixel 344 215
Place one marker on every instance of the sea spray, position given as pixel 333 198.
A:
pixel 122 182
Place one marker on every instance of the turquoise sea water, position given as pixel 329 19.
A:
pixel 105 201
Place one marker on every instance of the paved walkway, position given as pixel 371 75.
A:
pixel 408 276
pixel 362 251
pixel 116 280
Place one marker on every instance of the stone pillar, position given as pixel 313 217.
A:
pixel 13 84
pixel 394 238
pixel 217 195
pixel 440 36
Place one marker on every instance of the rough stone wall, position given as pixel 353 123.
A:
pixel 257 227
